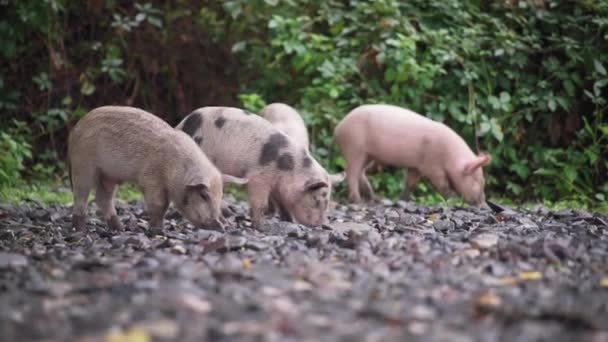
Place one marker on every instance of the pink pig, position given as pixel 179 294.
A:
pixel 287 120
pixel 396 136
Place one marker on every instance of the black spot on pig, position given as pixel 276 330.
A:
pixel 285 162
pixel 246 112
pixel 192 123
pixel 306 161
pixel 270 149
pixel 219 122
pixel 198 140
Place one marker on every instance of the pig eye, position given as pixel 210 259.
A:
pixel 315 186
pixel 204 195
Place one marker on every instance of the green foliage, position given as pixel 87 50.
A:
pixel 15 150
pixel 528 77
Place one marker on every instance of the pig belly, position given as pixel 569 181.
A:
pixel 395 150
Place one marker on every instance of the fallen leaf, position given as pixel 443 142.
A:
pixel 604 282
pixel 133 335
pixel 179 249
pixel 488 300
pixel 302 285
pixel 246 263
pixel 164 328
pixel 195 303
pixel 533 275
pixel 508 281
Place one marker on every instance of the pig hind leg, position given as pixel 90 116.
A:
pixel 82 183
pixel 104 197
pixel 157 203
pixel 411 178
pixel 259 196
pixel 355 171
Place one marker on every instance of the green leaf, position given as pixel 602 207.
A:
pixel 552 104
pixel 239 46
pixel 87 88
pixel 545 172
pixel 155 21
pixel 522 170
pixel 569 87
pixel 570 173
pixel 505 97
pixel 599 67
pixel 333 93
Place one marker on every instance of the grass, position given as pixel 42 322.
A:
pixel 49 192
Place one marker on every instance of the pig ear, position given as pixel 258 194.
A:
pixel 477 162
pixel 336 178
pixel 200 189
pixel 314 185
pixel 234 180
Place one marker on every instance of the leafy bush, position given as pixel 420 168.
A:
pixel 526 79
pixel 15 150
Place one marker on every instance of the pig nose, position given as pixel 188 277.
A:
pixel 214 224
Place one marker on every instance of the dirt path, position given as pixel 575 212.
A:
pixel 389 272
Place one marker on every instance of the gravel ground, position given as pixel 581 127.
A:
pixel 379 272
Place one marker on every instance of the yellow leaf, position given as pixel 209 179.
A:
pixel 246 263
pixel 604 282
pixel 133 335
pixel 432 218
pixel 533 275
pixel 508 281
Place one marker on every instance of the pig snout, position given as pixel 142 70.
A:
pixel 213 224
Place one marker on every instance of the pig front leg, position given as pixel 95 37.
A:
pixel 259 195
pixel 411 178
pixel 157 203
pixel 104 197
pixel 441 183
pixel 82 183
pixel 366 187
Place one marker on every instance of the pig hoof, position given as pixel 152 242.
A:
pixel 114 223
pixel 155 230
pixel 78 222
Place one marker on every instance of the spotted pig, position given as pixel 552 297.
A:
pixel 276 167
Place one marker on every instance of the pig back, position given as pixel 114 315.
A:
pixel 287 120
pixel 397 136
pixel 125 142
pixel 239 143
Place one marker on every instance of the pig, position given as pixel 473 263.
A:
pixel 287 120
pixel 391 135
pixel 275 166
pixel 115 144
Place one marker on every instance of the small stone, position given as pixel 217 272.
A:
pixel 12 260
pixel 443 225
pixel 195 303
pixel 471 252
pixel 345 227
pixel 484 241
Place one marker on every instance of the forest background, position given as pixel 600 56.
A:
pixel 529 78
